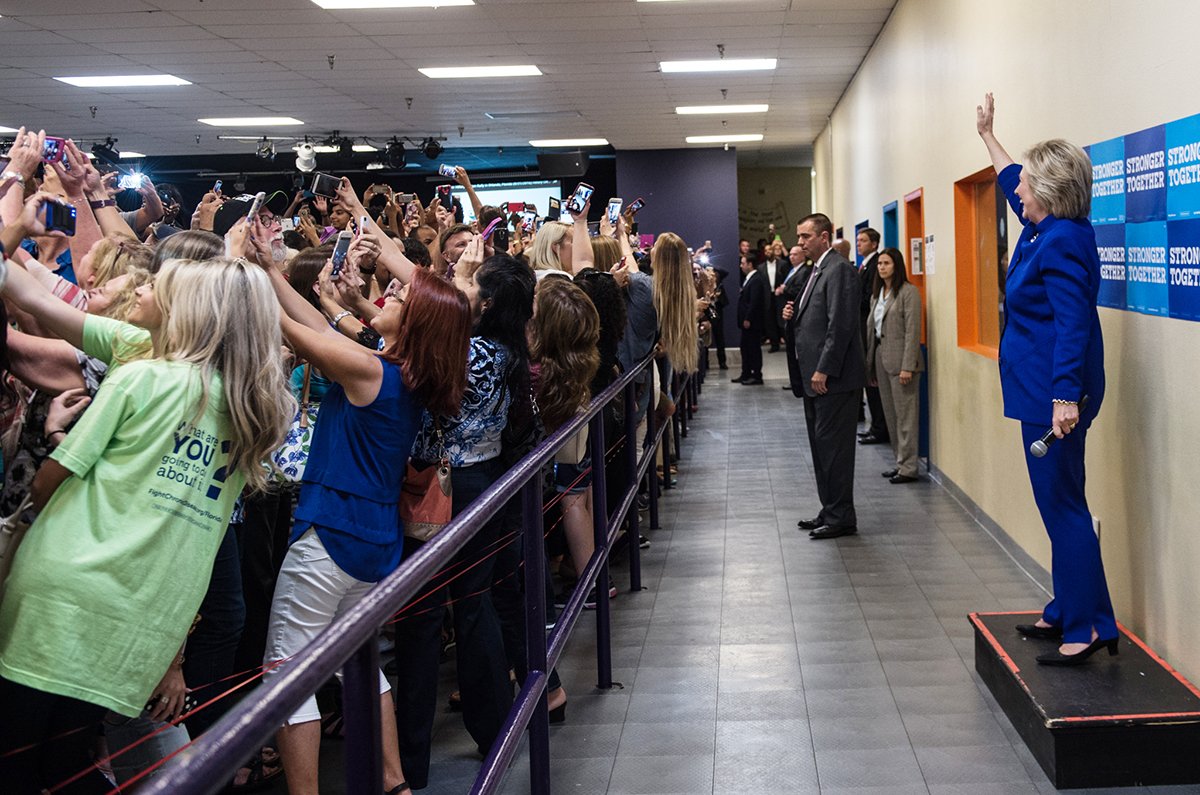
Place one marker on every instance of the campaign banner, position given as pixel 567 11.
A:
pixel 1110 243
pixel 1183 268
pixel 1145 175
pixel 1146 268
pixel 1183 168
pixel 1108 181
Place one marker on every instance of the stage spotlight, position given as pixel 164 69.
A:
pixel 107 151
pixel 431 148
pixel 345 146
pixel 265 149
pixel 395 155
pixel 306 157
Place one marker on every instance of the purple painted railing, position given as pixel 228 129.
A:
pixel 349 643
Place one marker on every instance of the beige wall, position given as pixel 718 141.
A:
pixel 773 195
pixel 1087 71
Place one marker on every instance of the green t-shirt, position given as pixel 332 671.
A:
pixel 107 582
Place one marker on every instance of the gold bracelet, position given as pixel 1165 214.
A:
pixel 1061 402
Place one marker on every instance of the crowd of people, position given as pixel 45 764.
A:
pixel 212 424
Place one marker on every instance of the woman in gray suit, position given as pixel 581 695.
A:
pixel 894 358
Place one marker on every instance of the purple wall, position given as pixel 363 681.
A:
pixel 693 193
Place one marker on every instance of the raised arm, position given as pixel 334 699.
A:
pixel 984 117
pixel 391 256
pixel 581 241
pixel 626 249
pixel 463 178
pixel 23 158
pixel 56 316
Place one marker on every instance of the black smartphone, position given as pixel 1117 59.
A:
pixel 325 185
pixel 59 217
pixel 583 192
pixel 500 239
pixel 554 212
pixel 443 192
pixel 340 249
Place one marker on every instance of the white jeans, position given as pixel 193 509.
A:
pixel 310 593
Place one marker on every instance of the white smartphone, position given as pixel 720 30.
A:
pixel 614 210
pixel 340 250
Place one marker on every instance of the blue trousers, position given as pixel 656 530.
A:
pixel 1081 599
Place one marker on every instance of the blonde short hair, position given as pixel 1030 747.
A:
pixel 1059 174
pixel 542 254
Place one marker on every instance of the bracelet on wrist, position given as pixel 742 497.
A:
pixel 338 317
pixel 101 204
pixel 1061 402
pixel 15 176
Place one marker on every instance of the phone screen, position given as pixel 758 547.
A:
pixel 55 150
pixel 583 192
pixel 340 249
pixel 555 210
pixel 130 182
pixel 636 205
pixel 325 185
pixel 529 221
pixel 614 211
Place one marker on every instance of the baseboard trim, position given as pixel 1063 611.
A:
pixel 1032 569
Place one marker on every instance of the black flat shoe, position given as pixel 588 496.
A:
pixel 559 713
pixel 737 380
pixel 832 531
pixel 891 473
pixel 1040 633
pixel 902 479
pixel 809 524
pixel 1058 658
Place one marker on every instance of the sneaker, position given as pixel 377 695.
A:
pixel 589 602
pixel 643 542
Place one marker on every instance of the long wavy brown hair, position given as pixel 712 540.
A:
pixel 432 341
pixel 566 333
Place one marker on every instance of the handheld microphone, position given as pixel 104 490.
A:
pixel 1042 446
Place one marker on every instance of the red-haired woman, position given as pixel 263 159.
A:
pixel 348 534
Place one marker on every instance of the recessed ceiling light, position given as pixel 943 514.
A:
pixel 546 143
pixel 365 148
pixel 719 65
pixel 723 139
pixel 340 5
pixel 127 155
pixel 123 81
pixel 521 70
pixel 251 121
pixel 695 110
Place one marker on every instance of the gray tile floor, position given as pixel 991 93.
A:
pixel 759 661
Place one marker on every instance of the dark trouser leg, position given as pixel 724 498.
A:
pixel 1081 599
pixel 263 542
pixel 794 378
pixel 833 453
pixel 212 647
pixel 751 349
pixel 63 732
pixel 508 598
pixel 719 339
pixel 879 425
pixel 814 448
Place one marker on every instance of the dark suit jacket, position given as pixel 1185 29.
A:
pixel 753 303
pixel 792 288
pixel 827 328
pixel 866 275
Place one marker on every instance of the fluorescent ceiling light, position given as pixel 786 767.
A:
pixel 251 121
pixel 324 149
pixel 127 155
pixel 719 65
pixel 723 139
pixel 340 5
pixel 365 148
pixel 8 129
pixel 546 143
pixel 255 137
pixel 695 110
pixel 124 81
pixel 521 70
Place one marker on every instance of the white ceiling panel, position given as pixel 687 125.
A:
pixel 599 57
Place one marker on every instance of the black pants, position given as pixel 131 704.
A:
pixel 794 378
pixel 479 645
pixel 752 357
pixel 878 421
pixel 831 421
pixel 63 732
pixel 263 544
pixel 718 326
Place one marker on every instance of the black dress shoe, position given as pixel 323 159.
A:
pixel 752 382
pixel 737 380
pixel 833 531
pixel 774 349
pixel 1056 657
pixel 891 473
pixel 902 479
pixel 723 366
pixel 1040 633
pixel 786 388
pixel 810 524
pixel 870 438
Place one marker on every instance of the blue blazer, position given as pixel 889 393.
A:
pixel 1051 347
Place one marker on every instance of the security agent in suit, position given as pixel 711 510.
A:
pixel 799 269
pixel 867 241
pixel 1051 357
pixel 830 355
pixel 753 302
pixel 774 270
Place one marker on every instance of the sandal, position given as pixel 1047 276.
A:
pixel 262 770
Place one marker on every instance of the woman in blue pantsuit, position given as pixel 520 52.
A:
pixel 1051 359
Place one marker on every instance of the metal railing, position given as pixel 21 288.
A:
pixel 349 643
